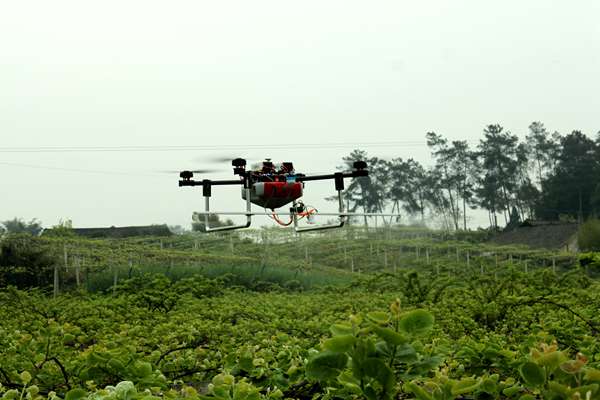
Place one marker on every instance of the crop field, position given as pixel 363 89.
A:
pixel 349 200
pixel 346 315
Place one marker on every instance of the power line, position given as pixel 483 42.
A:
pixel 180 148
pixel 85 171
pixel 161 148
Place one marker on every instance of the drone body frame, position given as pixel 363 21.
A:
pixel 272 188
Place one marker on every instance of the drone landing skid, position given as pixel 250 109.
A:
pixel 324 214
pixel 249 214
pixel 321 227
pixel 228 227
pixel 293 215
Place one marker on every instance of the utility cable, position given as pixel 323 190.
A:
pixel 217 147
pixel 85 171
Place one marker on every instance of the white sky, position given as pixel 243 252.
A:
pixel 115 73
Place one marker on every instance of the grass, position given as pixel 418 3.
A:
pixel 312 260
pixel 248 276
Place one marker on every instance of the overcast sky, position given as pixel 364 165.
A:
pixel 176 73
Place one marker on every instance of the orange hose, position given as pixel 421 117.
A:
pixel 276 218
pixel 307 213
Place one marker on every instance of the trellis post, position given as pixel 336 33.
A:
pixel 56 289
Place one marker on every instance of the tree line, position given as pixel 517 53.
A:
pixel 18 225
pixel 547 176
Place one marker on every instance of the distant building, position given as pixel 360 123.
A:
pixel 122 232
pixel 552 235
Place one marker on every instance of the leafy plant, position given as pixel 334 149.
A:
pixel 361 356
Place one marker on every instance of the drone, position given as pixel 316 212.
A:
pixel 271 187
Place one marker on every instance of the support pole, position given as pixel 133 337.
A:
pixel 77 268
pixel 56 289
pixel 115 279
pixel 66 256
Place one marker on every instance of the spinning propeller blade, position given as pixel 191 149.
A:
pixel 195 171
pixel 217 159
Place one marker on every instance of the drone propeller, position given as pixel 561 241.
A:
pixel 217 159
pixel 195 171
pixel 220 159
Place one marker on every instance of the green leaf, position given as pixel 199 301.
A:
pixel 341 329
pixel 25 377
pixel 532 374
pixel 509 391
pixel 370 393
pixel 68 338
pixel 582 390
pixel 406 353
pixel 245 391
pixel 527 397
pixel 326 365
pixel 246 363
pixel 377 369
pixel 350 383
pixel 76 394
pixel 416 322
pixel 116 365
pixel 379 317
pixel 418 391
pixel 551 360
pixel 363 349
pixel 390 336
pixel 592 375
pixel 11 394
pixel 489 386
pixel 383 349
pixel 465 385
pixel 339 344
pixel 33 390
pixel 142 369
pixel 426 364
pixel 559 389
pixel 125 390
pixel 95 359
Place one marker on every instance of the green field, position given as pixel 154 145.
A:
pixel 384 314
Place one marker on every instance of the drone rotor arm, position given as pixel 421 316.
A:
pixel 190 182
pixel 352 174
pixel 359 170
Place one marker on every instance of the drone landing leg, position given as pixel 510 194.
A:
pixel 339 187
pixel 206 192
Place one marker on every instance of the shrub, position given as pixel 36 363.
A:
pixel 24 262
pixel 18 225
pixel 63 229
pixel 589 235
